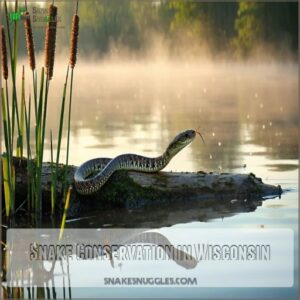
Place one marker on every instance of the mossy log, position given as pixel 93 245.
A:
pixel 133 190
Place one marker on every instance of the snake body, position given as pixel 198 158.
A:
pixel 94 173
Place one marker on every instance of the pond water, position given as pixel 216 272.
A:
pixel 247 113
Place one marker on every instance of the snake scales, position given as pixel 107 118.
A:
pixel 93 174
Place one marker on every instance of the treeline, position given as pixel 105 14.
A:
pixel 235 29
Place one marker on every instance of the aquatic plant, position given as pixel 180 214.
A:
pixel 29 41
pixel 20 113
pixel 73 58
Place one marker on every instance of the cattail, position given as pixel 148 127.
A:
pixel 74 40
pixel 50 41
pixel 29 41
pixel 4 54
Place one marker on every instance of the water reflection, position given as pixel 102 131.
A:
pixel 157 216
pixel 27 276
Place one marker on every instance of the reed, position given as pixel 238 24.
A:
pixel 21 113
pixel 30 175
pixel 29 41
pixel 4 54
pixel 73 59
pixel 39 156
pixel 7 157
pixel 6 184
pixel 5 76
pixel 72 62
pixel 61 120
pixel 52 177
pixel 7 161
pixel 74 40
pixel 10 118
pixel 50 41
pixel 54 174
pixel 20 148
pixel 14 55
pixel 31 53
pixel 63 222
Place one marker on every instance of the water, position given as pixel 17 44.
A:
pixel 247 113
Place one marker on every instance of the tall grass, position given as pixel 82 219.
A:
pixel 17 114
pixel 6 157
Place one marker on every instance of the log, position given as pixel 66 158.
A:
pixel 134 190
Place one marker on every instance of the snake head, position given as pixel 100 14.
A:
pixel 180 141
pixel 185 137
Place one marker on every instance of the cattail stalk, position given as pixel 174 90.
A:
pixel 73 58
pixel 29 41
pixel 31 54
pixel 74 40
pixel 5 76
pixel 4 54
pixel 13 60
pixel 50 41
pixel 7 158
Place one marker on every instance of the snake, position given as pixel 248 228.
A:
pixel 91 176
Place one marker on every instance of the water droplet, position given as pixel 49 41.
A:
pixel 261 105
pixel 213 134
pixel 96 118
pixel 256 95
pixel 210 156
pixel 281 108
pixel 248 117
pixel 264 126
pixel 219 144
pixel 204 90
pixel 270 124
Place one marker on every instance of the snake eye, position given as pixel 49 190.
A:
pixel 186 135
